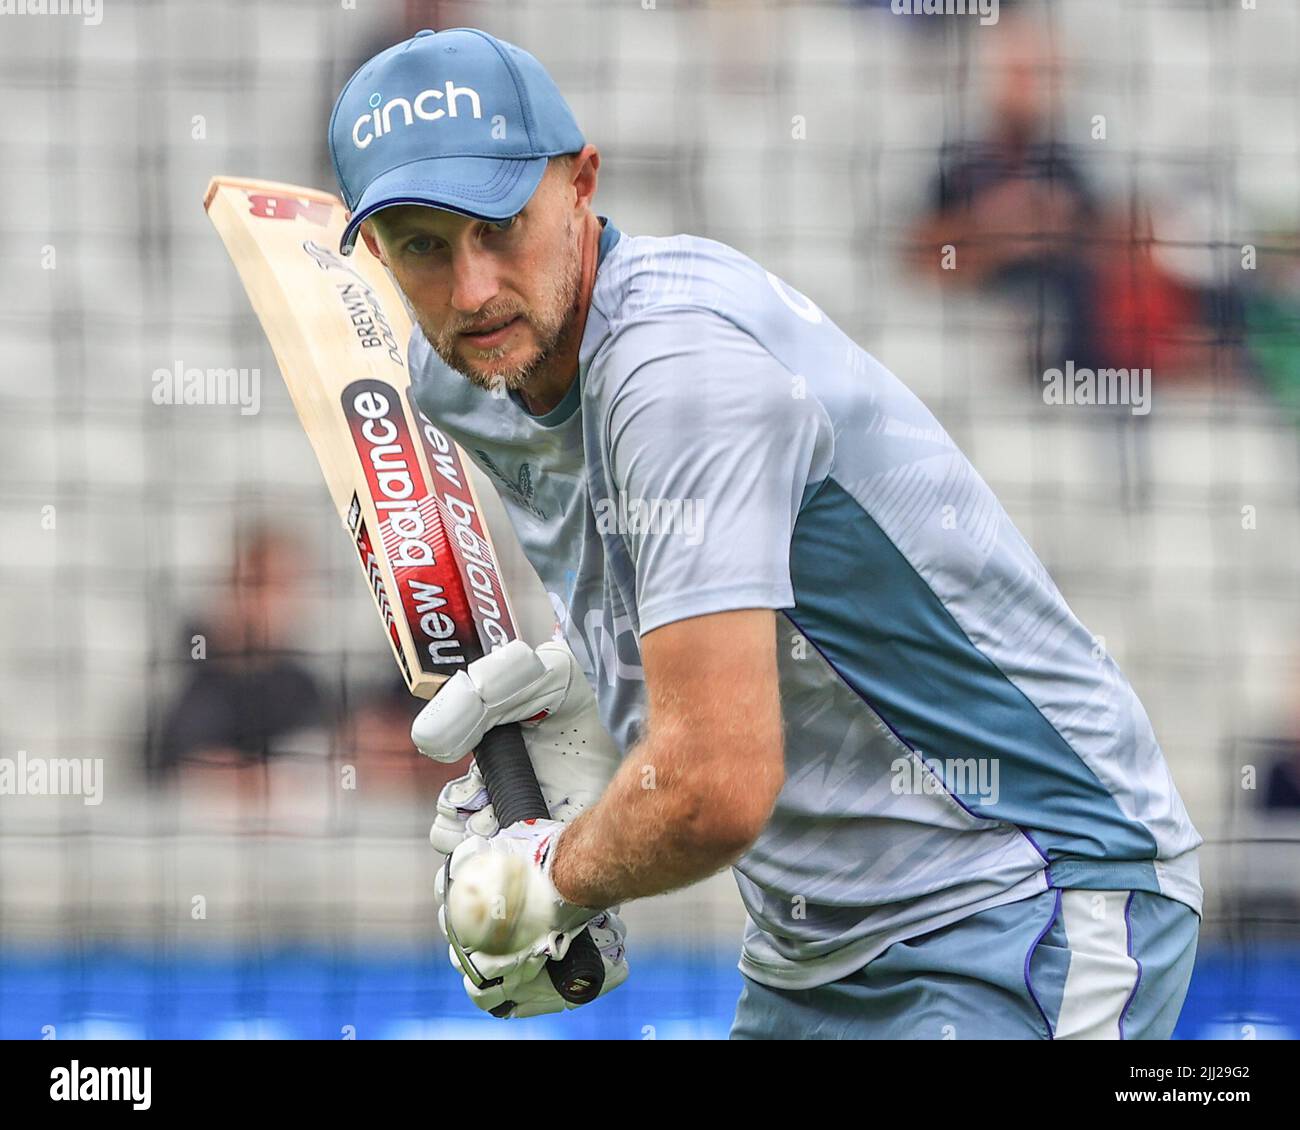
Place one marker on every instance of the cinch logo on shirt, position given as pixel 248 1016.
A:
pixel 380 118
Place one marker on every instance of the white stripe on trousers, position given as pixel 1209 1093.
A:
pixel 1102 976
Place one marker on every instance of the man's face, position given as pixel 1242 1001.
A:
pixel 463 275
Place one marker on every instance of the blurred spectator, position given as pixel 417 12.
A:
pixel 1017 206
pixel 1272 319
pixel 375 734
pixel 1282 785
pixel 1134 287
pixel 1282 789
pixel 247 698
pixel 1163 296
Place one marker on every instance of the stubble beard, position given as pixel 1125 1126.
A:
pixel 553 325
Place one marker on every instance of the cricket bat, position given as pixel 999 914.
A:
pixel 338 327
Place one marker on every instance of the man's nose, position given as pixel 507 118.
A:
pixel 474 281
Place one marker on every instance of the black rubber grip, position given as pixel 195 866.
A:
pixel 515 794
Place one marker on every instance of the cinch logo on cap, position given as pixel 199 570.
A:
pixel 451 159
pixel 379 121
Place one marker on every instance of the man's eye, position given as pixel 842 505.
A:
pixel 420 245
pixel 504 225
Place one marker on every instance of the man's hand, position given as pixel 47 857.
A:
pixel 698 788
pixel 516 985
pixel 498 896
pixel 505 920
pixel 543 689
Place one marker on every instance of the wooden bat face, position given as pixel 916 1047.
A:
pixel 338 328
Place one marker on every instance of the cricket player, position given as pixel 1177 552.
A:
pixel 800 636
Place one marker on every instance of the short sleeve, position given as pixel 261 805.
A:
pixel 712 445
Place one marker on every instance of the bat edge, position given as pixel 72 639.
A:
pixel 217 183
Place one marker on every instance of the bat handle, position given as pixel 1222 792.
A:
pixel 515 794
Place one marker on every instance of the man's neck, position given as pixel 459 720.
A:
pixel 552 385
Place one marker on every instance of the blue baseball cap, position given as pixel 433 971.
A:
pixel 455 119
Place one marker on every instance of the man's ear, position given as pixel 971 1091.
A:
pixel 585 166
pixel 372 243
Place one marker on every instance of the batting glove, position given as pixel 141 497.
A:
pixel 572 754
pixel 516 902
pixel 536 924
pixel 516 985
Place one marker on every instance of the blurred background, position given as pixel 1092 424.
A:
pixel 1109 183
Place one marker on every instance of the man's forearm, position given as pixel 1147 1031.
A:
pixel 650 832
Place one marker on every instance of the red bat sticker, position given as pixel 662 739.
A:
pixel 430 591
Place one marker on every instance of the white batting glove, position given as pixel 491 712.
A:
pixel 529 919
pixel 509 903
pixel 517 985
pixel 572 754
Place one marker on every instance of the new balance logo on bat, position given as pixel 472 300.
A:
pixel 370 565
